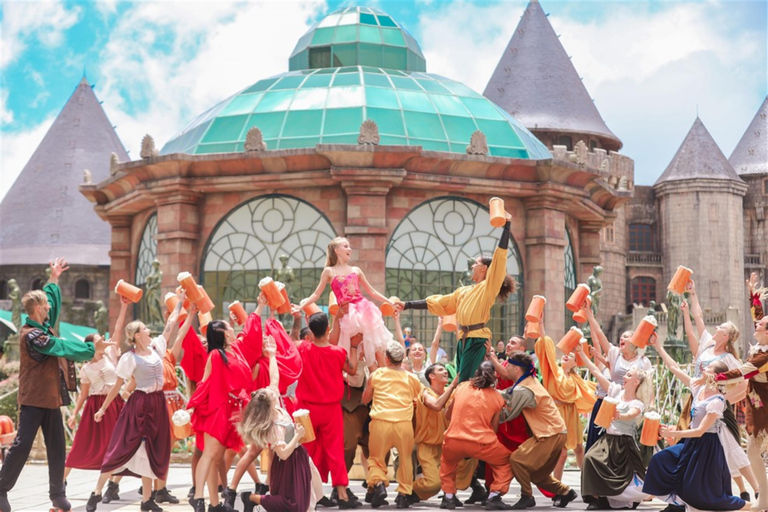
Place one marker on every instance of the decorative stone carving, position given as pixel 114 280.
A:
pixel 623 183
pixel 148 147
pixel 254 141
pixel 596 288
pixel 478 144
pixel 87 177
pixel 579 155
pixel 369 133
pixel 604 165
pixel 113 163
pixel 152 296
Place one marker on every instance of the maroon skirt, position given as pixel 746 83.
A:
pixel 91 438
pixel 144 418
pixel 290 483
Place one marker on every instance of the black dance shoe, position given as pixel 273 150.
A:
pixel 379 497
pixel 401 501
pixel 112 492
pixel 448 503
pixel 93 500
pixel 495 503
pixel 478 495
pixel 165 496
pixel 248 505
pixel 525 501
pixel 562 500
pixel 151 506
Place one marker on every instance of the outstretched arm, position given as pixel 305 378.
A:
pixel 399 329
pixel 698 316
pixel 435 347
pixel 177 344
pixel 668 361
pixel 369 289
pixel 594 370
pixel 705 425
pixel 597 331
pixel 325 278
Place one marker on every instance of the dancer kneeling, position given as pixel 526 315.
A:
pixel 476 407
pixel 613 467
pixel 696 470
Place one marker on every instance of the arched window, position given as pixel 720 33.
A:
pixel 643 290
pixel 144 258
pixel 570 277
pixel 247 244
pixel 82 289
pixel 3 289
pixel 430 252
pixel 567 141
pixel 37 283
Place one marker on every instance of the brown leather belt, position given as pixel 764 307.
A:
pixel 466 329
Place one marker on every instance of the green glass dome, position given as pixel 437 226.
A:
pixel 354 36
pixel 306 107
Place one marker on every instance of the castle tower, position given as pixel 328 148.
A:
pixel 536 82
pixel 750 161
pixel 700 204
pixel 44 216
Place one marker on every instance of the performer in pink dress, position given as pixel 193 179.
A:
pixel 363 316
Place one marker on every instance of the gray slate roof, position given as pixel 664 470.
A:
pixel 536 82
pixel 44 215
pixel 751 153
pixel 699 156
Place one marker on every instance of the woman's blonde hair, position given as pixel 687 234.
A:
pixel 256 425
pixel 131 329
pixel 330 255
pixel 644 391
pixel 733 335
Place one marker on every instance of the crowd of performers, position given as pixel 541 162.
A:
pixel 476 423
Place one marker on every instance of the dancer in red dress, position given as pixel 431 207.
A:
pixel 219 398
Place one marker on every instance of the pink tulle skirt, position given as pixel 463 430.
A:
pixel 364 317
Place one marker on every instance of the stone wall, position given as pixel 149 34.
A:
pixel 74 311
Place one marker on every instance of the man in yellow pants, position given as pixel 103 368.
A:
pixel 393 391
pixel 431 425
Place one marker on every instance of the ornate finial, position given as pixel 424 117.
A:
pixel 604 165
pixel 254 141
pixel 579 156
pixel 113 163
pixel 148 147
pixel 87 177
pixel 369 133
pixel 478 144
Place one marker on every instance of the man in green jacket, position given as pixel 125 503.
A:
pixel 46 373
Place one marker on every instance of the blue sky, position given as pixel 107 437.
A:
pixel 649 65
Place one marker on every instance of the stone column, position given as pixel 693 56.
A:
pixel 121 264
pixel 589 249
pixel 178 233
pixel 366 226
pixel 545 259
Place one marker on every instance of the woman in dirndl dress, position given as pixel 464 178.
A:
pixel 141 441
pixel 97 377
pixel 695 472
pixel 613 469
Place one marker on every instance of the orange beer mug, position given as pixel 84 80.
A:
pixel 532 330
pixel 536 308
pixel 606 413
pixel 450 324
pixel 205 304
pixel 680 280
pixel 498 214
pixel 190 286
pixel 171 300
pixel 127 290
pixel 333 304
pixel 285 307
pixel 578 297
pixel 271 292
pixel 239 311
pixel 644 331
pixel 204 319
pixel 571 339
pixel 650 433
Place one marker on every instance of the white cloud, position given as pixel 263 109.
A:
pixel 24 21
pixel 6 115
pixel 176 60
pixel 648 69
pixel 16 149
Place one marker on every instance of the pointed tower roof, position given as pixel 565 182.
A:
pixel 698 157
pixel 44 215
pixel 536 82
pixel 751 153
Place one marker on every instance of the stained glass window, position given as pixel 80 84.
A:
pixel 431 252
pixel 146 255
pixel 247 244
pixel 570 277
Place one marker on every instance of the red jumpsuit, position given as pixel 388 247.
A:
pixel 320 390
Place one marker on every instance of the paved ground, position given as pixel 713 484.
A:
pixel 31 492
